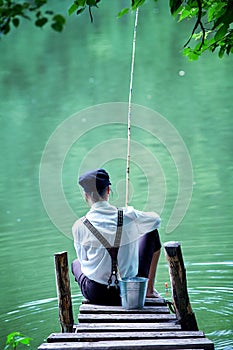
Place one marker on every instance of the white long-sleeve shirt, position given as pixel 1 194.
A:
pixel 94 258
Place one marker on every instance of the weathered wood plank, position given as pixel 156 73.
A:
pixel 148 301
pixel 102 309
pixel 59 348
pixel 155 301
pixel 126 318
pixel 124 327
pixel 145 344
pixel 97 336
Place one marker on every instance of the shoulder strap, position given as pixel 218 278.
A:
pixel 112 250
pixel 119 228
pixel 96 233
pixel 100 237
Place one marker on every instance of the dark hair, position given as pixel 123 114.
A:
pixel 97 195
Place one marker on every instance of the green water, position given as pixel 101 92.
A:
pixel 45 79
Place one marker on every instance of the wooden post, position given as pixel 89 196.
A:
pixel 177 272
pixel 63 292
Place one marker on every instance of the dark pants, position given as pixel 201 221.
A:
pixel 98 293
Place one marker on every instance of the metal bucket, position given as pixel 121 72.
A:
pixel 133 292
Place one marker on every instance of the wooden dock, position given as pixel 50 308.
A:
pixel 115 328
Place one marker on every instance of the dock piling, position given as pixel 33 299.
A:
pixel 180 296
pixel 63 292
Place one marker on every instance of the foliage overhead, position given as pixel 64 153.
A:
pixel 212 20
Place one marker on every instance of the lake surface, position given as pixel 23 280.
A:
pixel 68 82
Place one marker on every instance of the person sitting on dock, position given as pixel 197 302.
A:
pixel 135 251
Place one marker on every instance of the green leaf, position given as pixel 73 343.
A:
pixel 137 3
pixel 59 18
pixel 6 28
pixel 58 22
pixel 72 8
pixel 91 2
pixel 225 17
pixel 221 32
pixel 15 22
pixel 17 9
pixel 40 22
pixel 191 54
pixel 11 336
pixel 58 27
pixel 15 338
pixel 228 49
pixel 174 5
pixel 24 340
pixel 221 52
pixel 81 2
pixel 215 10
pixel 186 51
pixel 123 12
pixel 186 12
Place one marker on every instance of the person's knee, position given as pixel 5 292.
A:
pixel 76 268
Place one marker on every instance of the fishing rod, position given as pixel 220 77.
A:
pixel 129 109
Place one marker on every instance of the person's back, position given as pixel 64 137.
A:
pixel 93 262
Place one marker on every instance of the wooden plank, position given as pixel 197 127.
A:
pixel 48 347
pixel 126 318
pixel 58 348
pixel 102 309
pixel 148 301
pixel 155 301
pixel 124 327
pixel 97 336
pixel 145 344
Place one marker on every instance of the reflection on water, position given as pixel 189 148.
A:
pixel 45 81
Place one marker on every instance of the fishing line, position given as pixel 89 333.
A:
pixel 129 109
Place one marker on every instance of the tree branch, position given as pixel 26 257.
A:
pixel 90 13
pixel 198 23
